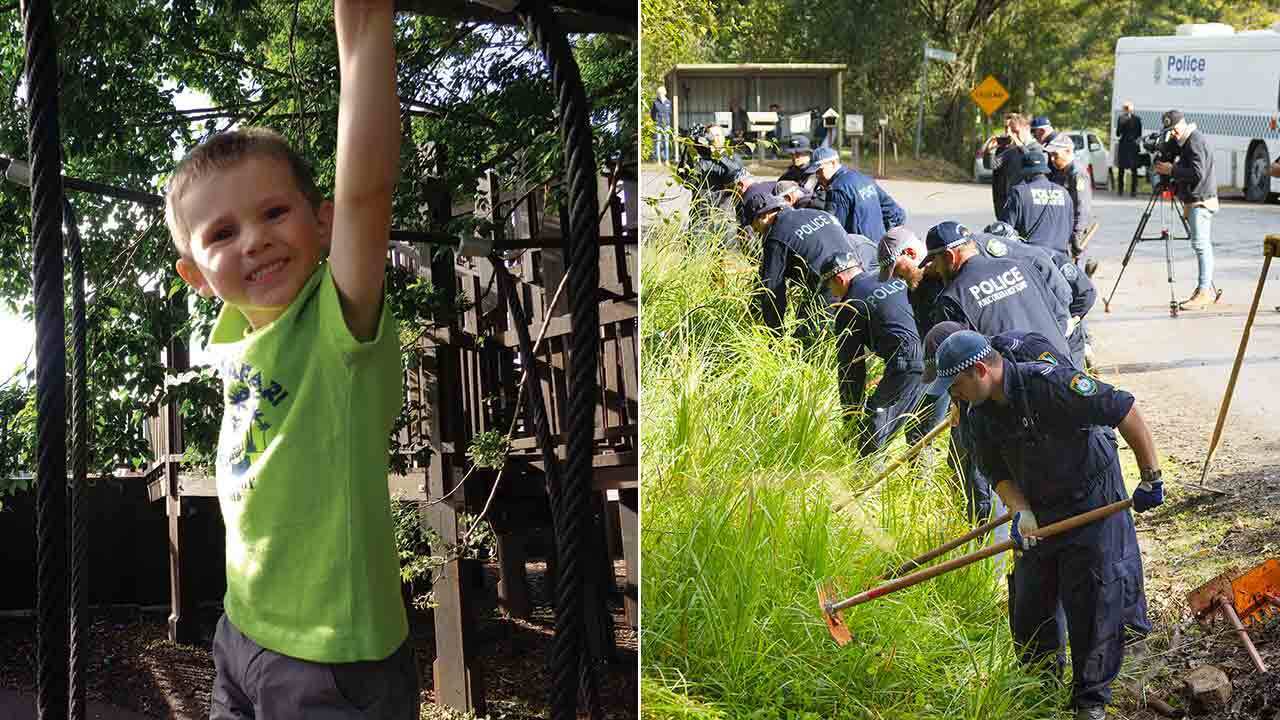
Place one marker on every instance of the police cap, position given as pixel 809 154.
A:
pixel 959 352
pixel 942 237
pixel 759 200
pixel 821 155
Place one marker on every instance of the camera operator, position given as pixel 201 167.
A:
pixel 714 177
pixel 1186 158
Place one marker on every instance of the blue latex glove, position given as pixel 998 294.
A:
pixel 1148 494
pixel 1024 522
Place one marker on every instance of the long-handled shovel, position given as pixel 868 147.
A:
pixel 947 547
pixel 832 611
pixel 1270 248
pixel 911 452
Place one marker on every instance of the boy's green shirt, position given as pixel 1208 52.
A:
pixel 312 570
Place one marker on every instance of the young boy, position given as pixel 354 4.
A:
pixel 314 623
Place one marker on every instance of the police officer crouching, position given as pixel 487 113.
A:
pixel 794 243
pixel 988 294
pixel 1039 432
pixel 1041 211
pixel 875 315
pixel 1082 296
pixel 858 202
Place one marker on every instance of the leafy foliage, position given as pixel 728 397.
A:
pixel 474 97
pixel 1069 59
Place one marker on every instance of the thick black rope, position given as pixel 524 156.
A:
pixel 51 419
pixel 79 516
pixel 583 253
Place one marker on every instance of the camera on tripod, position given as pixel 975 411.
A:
pixel 1161 147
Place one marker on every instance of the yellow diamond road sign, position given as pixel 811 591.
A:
pixel 989 95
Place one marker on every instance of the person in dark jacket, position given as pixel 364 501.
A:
pixel 1006 164
pixel 1196 186
pixel 1128 139
pixel 795 244
pixel 660 113
pixel 1039 210
pixel 1042 130
pixel 877 316
pixel 860 205
pixel 1064 172
pixel 812 194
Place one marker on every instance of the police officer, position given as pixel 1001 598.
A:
pixel 1063 171
pixel 1039 431
pixel 794 243
pixel 1016 346
pixel 987 294
pixel 1006 243
pixel 1042 130
pixel 898 255
pixel 1082 292
pixel 859 204
pixel 1039 210
pixel 875 315
pixel 813 195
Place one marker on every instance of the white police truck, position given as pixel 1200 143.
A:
pixel 1224 81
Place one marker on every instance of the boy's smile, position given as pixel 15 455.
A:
pixel 255 239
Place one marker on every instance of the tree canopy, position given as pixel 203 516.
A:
pixel 474 97
pixel 1064 47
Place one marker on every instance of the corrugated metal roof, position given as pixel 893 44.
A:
pixel 756 68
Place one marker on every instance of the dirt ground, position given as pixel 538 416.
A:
pixel 132 665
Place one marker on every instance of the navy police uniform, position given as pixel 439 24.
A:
pixel 1080 189
pixel 1044 264
pixel 996 295
pixel 1083 296
pixel 1050 440
pixel 797 245
pixel 878 316
pixel 1042 213
pixel 861 205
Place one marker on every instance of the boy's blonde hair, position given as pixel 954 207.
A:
pixel 223 151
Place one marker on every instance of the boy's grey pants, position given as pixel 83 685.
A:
pixel 253 682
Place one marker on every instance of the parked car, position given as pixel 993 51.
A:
pixel 1096 162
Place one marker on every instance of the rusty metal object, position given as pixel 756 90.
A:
pixel 1243 598
pixel 833 618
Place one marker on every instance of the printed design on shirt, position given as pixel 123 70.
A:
pixel 867 192
pixel 817 223
pixel 1055 196
pixel 997 248
pixel 1047 357
pixel 246 433
pixel 997 288
pixel 1070 271
pixel 1083 385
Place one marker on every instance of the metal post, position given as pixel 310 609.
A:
pixel 924 90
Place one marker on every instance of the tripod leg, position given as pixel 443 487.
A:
pixel 1128 254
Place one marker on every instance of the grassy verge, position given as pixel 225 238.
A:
pixel 744 457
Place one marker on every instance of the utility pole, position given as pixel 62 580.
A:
pixel 929 53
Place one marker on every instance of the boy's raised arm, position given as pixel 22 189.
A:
pixel 368 158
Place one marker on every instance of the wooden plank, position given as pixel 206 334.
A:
pixel 629 516
pixel 182 619
pixel 630 376
pixel 513 587
pixel 610 312
pixel 614 405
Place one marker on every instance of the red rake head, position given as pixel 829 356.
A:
pixel 833 618
pixel 1252 593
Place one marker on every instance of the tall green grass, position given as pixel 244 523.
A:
pixel 744 457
